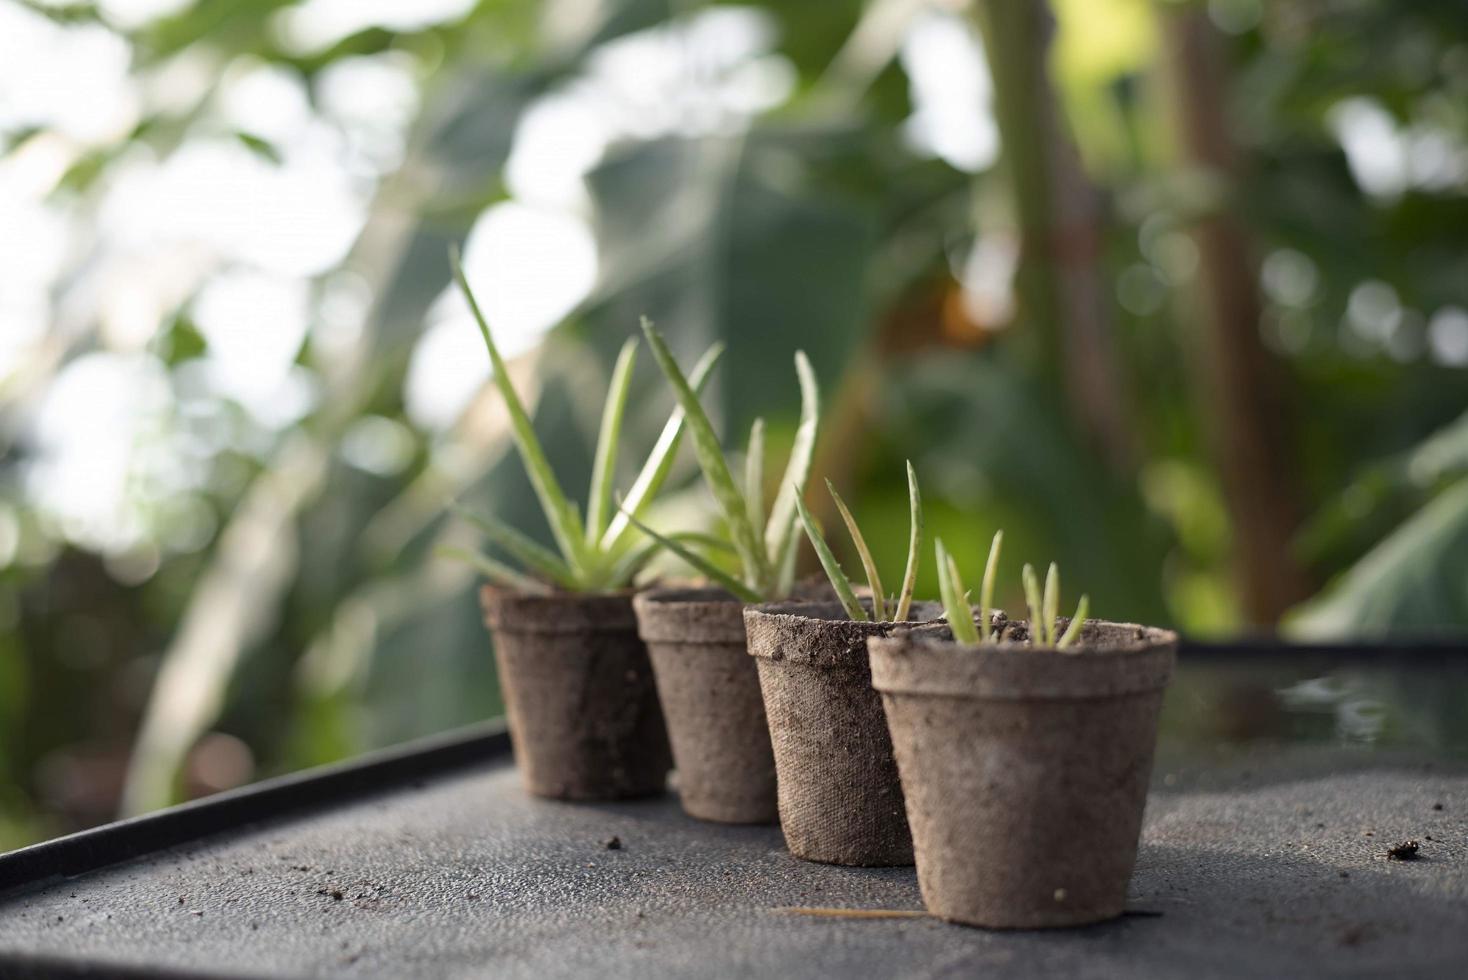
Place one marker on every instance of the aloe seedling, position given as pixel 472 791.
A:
pixel 604 552
pixel 881 603
pixel 1043 607
pixel 765 547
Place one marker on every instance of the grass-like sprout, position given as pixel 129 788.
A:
pixel 882 605
pixel 1043 606
pixel 605 552
pixel 765 547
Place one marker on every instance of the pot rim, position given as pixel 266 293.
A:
pixel 926 661
pixel 517 611
pixel 689 614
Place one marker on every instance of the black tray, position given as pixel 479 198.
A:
pixel 430 861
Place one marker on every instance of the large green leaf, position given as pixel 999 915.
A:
pixel 1415 581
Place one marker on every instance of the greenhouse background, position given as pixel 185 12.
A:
pixel 1175 293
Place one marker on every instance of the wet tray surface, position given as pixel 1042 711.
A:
pixel 1268 863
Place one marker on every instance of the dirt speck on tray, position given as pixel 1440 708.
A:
pixel 612 843
pixel 1405 851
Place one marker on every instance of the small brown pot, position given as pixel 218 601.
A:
pixel 840 796
pixel 584 716
pixel 710 694
pixel 1025 770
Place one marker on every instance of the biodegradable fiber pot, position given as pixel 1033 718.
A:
pixel 1025 770
pixel 840 797
pixel 710 694
pixel 584 716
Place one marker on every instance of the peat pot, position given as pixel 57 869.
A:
pixel 584 715
pixel 839 793
pixel 1025 770
pixel 710 695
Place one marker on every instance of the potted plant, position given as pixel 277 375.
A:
pixel 1025 751
pixel 710 691
pixel 584 715
pixel 840 794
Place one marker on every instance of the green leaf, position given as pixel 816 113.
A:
pixel 527 551
pixel 914 545
pixel 710 541
pixel 660 461
pixel 785 568
pixel 838 578
pixel 564 524
pixel 1032 600
pixel 715 468
pixel 754 474
pixel 624 570
pixel 879 601
pixel 497 571
pixel 707 568
pixel 780 532
pixel 1414 582
pixel 604 468
pixel 986 588
pixel 1083 609
pixel 955 599
pixel 1050 607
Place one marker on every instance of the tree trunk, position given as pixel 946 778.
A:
pixel 1063 298
pixel 1240 386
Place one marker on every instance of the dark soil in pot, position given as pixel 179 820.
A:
pixel 711 698
pixel 839 792
pixel 1025 770
pixel 584 715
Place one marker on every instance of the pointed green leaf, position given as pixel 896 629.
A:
pixel 879 600
pixel 564 524
pixel 715 468
pixel 1032 601
pixel 955 601
pixel 785 568
pixel 1083 609
pixel 914 545
pixel 604 467
pixel 781 529
pixel 710 541
pixel 526 550
pixel 754 474
pixel 838 578
pixel 986 588
pixel 624 570
pixel 707 568
pixel 497 571
pixel 660 461
pixel 1051 603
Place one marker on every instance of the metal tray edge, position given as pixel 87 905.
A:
pixel 282 796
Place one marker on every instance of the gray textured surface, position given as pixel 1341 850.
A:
pixel 1268 865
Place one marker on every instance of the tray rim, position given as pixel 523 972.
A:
pixel 280 797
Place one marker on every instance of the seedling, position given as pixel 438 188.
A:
pixel 1043 607
pixel 603 553
pixel 765 548
pixel 881 604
